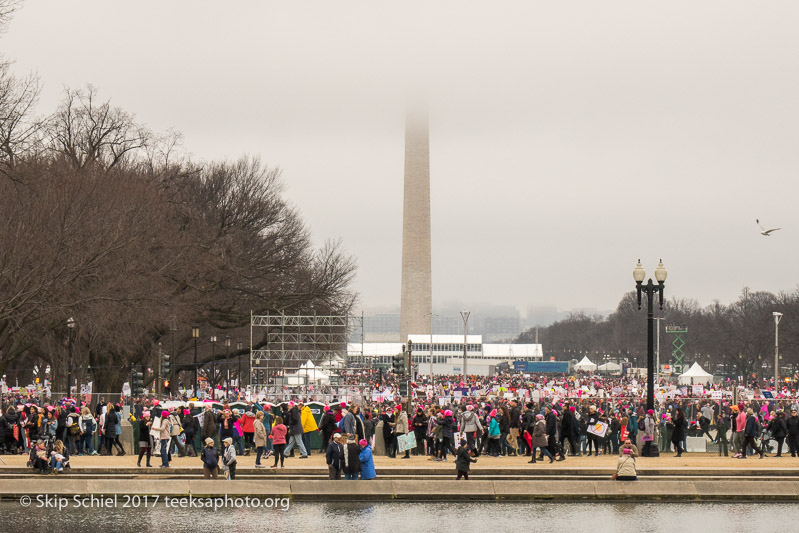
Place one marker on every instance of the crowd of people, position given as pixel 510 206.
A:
pixel 541 419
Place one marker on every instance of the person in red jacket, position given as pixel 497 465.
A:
pixel 248 429
pixel 278 438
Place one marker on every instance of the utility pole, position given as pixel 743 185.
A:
pixel 657 352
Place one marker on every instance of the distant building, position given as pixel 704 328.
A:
pixel 448 353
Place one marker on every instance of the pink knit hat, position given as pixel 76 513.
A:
pixel 362 442
pixel 291 404
pixel 493 413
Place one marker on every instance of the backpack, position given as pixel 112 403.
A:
pixel 89 425
pixel 74 429
pixel 209 458
pixel 641 424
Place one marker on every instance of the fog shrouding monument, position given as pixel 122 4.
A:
pixel 417 286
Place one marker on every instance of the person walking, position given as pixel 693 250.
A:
pixel 294 425
pixel 308 426
pixel 462 460
pixel 210 459
pixel 335 457
pixel 540 439
pixel 175 429
pixel 751 432
pixel 190 429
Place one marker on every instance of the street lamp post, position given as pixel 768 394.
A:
pixel 227 366
pixel 650 288
pixel 465 317
pixel 195 333
pixel 71 326
pixel 777 318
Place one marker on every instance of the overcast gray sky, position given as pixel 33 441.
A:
pixel 568 139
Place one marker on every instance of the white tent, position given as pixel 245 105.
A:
pixel 585 365
pixel 610 367
pixel 695 375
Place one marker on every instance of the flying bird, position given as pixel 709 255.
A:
pixel 766 232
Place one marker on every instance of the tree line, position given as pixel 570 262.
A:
pixel 113 224
pixel 736 339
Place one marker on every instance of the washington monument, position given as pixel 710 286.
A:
pixel 417 290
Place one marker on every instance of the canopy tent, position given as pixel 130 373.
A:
pixel 610 367
pixel 695 375
pixel 585 365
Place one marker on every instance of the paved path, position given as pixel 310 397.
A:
pixel 317 461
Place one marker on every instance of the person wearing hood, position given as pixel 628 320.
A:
pixel 12 430
pixel 367 461
pixel 308 426
pixel 470 425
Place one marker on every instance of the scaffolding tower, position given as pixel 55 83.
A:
pixel 292 340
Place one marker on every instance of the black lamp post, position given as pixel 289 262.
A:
pixel 650 288
pixel 71 326
pixel 195 333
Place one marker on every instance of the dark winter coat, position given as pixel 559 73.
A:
pixel 463 459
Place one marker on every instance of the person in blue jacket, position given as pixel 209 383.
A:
pixel 367 462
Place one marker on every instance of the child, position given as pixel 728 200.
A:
pixel 462 460
pixel 229 458
pixel 57 457
pixel 278 439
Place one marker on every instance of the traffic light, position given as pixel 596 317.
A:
pixel 403 388
pixel 136 381
pixel 398 363
pixel 166 385
pixel 409 359
pixel 165 364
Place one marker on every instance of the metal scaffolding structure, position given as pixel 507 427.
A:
pixel 292 340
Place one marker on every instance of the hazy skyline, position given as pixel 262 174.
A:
pixel 566 140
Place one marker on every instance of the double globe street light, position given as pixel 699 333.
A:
pixel 650 289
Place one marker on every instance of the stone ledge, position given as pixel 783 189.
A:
pixel 418 490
